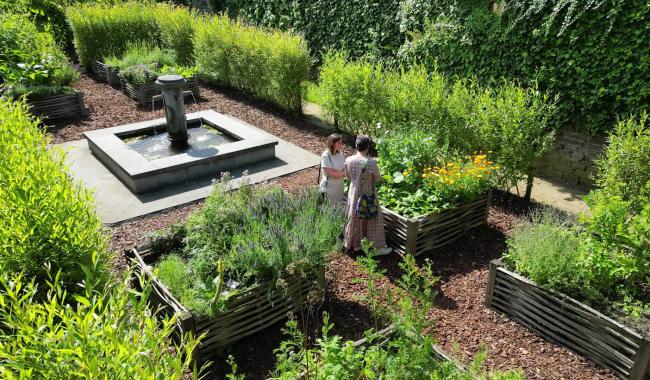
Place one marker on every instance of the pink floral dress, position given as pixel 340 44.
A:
pixel 361 183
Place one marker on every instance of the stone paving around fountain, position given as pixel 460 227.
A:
pixel 116 203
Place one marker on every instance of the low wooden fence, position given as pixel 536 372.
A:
pixel 59 107
pixel 421 234
pixel 106 73
pixel 144 93
pixel 569 323
pixel 248 312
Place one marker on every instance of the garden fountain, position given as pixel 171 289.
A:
pixel 148 155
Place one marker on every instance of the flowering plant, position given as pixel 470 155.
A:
pixel 421 178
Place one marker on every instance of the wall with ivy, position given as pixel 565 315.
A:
pixel 594 54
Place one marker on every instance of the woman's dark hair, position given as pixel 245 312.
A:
pixel 332 140
pixel 363 143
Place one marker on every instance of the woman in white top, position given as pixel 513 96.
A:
pixel 332 166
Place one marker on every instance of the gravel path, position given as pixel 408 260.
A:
pixel 463 326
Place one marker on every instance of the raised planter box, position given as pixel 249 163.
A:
pixel 106 73
pixel 59 107
pixel 249 311
pixel 425 233
pixel 567 322
pixel 144 93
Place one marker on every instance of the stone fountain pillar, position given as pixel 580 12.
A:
pixel 172 86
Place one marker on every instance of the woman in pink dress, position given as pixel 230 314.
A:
pixel 363 172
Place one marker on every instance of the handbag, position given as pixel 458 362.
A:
pixel 367 206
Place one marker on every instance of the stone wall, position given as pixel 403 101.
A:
pixel 571 160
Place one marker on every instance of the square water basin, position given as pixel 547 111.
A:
pixel 142 158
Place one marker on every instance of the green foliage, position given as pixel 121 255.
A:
pixel 269 65
pixel 46 215
pixel 250 236
pixel 623 169
pixel 588 52
pixel 107 332
pixel 507 120
pixel 30 60
pixel 140 54
pixel 102 31
pixel 607 262
pixel 177 31
pixel 547 250
pixel 361 27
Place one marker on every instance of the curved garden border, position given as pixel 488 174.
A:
pixel 567 322
pixel 421 234
pixel 249 311
pixel 106 73
pixel 59 107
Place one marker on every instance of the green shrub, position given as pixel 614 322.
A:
pixel 30 60
pixel 507 120
pixel 139 54
pixel 547 250
pixel 107 332
pixel 46 215
pixel 177 31
pixel 269 65
pixel 607 262
pixel 623 169
pixel 102 31
pixel 249 236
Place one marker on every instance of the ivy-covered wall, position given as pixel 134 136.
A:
pixel 594 54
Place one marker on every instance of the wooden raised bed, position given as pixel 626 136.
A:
pixel 58 107
pixel 424 233
pixel 248 312
pixel 567 322
pixel 106 73
pixel 144 93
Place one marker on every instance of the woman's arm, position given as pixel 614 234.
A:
pixel 334 173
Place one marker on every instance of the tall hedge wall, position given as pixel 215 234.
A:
pixel 103 30
pixel 593 54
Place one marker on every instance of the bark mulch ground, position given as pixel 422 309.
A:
pixel 463 324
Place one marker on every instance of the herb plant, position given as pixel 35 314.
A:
pixel 246 237
pixel 605 260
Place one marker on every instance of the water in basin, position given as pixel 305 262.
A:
pixel 203 140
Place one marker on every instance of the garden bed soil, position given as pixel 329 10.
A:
pixel 425 233
pixel 463 324
pixel 59 107
pixel 568 322
pixel 249 311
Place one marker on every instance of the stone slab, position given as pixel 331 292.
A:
pixel 115 203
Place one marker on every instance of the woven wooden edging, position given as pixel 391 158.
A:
pixel 385 335
pixel 144 93
pixel 248 312
pixel 106 73
pixel 57 107
pixel 424 233
pixel 567 322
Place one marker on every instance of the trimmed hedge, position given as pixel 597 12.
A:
pixel 269 65
pixel 590 53
pixel 103 31
pixel 46 215
pixel 509 121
